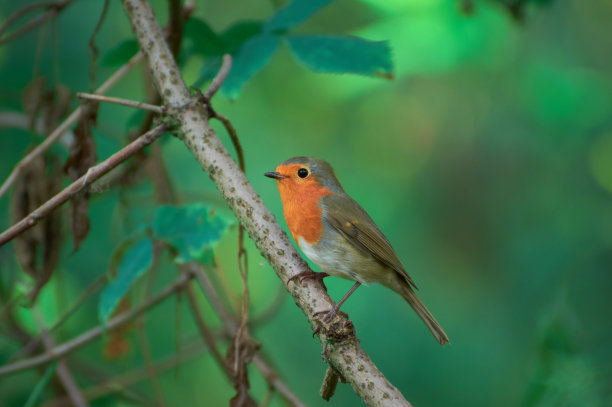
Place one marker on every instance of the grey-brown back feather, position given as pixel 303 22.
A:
pixel 352 221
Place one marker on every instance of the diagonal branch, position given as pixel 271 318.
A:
pixel 62 371
pixel 119 101
pixel 90 176
pixel 341 346
pixel 53 9
pixel 83 339
pixel 231 326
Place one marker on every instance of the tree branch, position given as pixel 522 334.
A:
pixel 54 9
pixel 115 383
pixel 124 102
pixel 90 176
pixel 218 80
pixel 231 326
pixel 83 339
pixel 62 371
pixel 341 346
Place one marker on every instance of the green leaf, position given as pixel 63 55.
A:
pixel 336 54
pixel 135 262
pixel 120 54
pixel 190 230
pixel 202 39
pixel 293 14
pixel 253 55
pixel 237 34
pixel 40 386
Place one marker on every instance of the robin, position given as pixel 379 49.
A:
pixel 340 237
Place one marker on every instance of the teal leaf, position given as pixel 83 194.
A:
pixel 293 14
pixel 135 262
pixel 237 34
pixel 202 40
pixel 120 54
pixel 190 229
pixel 338 54
pixel 253 55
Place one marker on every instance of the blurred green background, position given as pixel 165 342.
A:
pixel 487 162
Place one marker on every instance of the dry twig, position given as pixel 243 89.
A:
pixel 86 337
pixel 62 371
pixel 53 9
pixel 92 174
pixel 119 101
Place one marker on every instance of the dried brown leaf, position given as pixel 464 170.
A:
pixel 37 249
pixel 118 344
pixel 82 156
pixel 33 97
pixel 239 355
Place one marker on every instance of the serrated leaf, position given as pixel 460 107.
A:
pixel 189 229
pixel 253 55
pixel 237 34
pixel 120 54
pixel 204 41
pixel 339 54
pixel 135 263
pixel 293 14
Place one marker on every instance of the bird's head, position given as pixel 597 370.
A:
pixel 305 173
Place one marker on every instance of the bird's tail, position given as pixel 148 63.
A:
pixel 422 311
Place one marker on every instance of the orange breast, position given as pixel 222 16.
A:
pixel 302 210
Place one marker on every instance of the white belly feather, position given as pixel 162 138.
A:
pixel 339 260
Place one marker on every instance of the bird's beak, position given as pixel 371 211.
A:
pixel 274 174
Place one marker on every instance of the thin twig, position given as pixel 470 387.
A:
pixel 218 80
pixel 91 175
pixel 24 10
pixel 231 131
pixel 62 371
pixel 142 336
pixel 231 327
pixel 55 8
pixel 125 380
pixel 205 332
pixel 93 49
pixel 85 295
pixel 270 312
pixel 62 128
pixel 124 102
pixel 83 339
pixel 274 380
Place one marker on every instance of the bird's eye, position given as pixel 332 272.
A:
pixel 302 173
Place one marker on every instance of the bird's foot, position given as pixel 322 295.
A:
pixel 308 275
pixel 331 313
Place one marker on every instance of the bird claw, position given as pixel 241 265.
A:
pixel 307 275
pixel 328 317
pixel 330 314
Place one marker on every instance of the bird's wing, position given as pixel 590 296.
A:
pixel 352 221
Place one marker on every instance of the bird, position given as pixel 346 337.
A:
pixel 338 235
